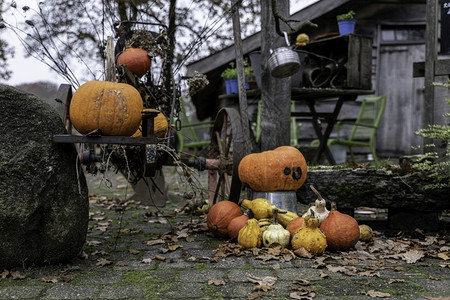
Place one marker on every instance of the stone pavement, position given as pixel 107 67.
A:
pixel 153 253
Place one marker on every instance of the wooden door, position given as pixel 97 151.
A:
pixel 404 107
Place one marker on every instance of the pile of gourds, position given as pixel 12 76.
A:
pixel 264 224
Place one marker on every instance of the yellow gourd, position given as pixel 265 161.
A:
pixel 284 217
pixel 250 235
pixel 310 237
pixel 260 207
pixel 264 224
pixel 365 233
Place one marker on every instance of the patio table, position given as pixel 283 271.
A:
pixel 312 96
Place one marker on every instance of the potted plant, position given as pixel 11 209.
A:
pixel 346 23
pixel 250 78
pixel 230 77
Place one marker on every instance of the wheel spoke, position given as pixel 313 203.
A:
pixel 224 182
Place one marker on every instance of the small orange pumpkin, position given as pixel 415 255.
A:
pixel 220 215
pixel 341 230
pixel 136 60
pixel 281 169
pixel 113 107
pixel 294 225
pixel 235 225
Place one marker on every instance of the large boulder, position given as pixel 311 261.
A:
pixel 44 207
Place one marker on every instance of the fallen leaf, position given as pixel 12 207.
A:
pixel 83 255
pixel 103 262
pixel 93 243
pixel 102 252
pixel 190 239
pixel 264 288
pixel 302 252
pixel 375 294
pixel 361 255
pixel 155 242
pixel 443 255
pixel 159 257
pixel 322 274
pixel 121 264
pixel 174 247
pixel 255 295
pixel 191 258
pixel 433 278
pixel 396 280
pixel 215 281
pixel 429 240
pixel 350 271
pixel 302 293
pixel 65 278
pixel 133 251
pixel 267 280
pixel 302 282
pixel 412 256
pixel 4 274
pixel 49 279
pixel 147 260
pixel 17 276
pixel 182 234
pixel 369 274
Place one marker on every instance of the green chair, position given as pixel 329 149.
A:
pixel 188 136
pixel 363 130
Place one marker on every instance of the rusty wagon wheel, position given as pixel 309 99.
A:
pixel 227 149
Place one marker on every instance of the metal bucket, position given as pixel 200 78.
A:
pixel 283 62
pixel 282 199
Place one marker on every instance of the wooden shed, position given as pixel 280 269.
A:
pixel 397 30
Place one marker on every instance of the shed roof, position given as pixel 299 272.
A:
pixel 322 13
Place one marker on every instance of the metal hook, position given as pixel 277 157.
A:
pixel 286 38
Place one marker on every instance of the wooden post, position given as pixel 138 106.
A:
pixel 110 60
pixel 241 77
pixel 430 58
pixel 275 93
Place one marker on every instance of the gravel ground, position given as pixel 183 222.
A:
pixel 145 252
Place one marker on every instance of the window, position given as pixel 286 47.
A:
pixel 403 34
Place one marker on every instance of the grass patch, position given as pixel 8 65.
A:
pixel 155 287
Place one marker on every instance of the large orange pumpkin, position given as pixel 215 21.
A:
pixel 113 107
pixel 341 230
pixel 220 215
pixel 281 169
pixel 160 125
pixel 136 60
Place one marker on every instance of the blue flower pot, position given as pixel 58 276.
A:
pixel 228 86
pixel 233 86
pixel 346 27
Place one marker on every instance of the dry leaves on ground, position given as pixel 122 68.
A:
pixel 215 281
pixel 375 294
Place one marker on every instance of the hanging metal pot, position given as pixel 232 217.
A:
pixel 284 62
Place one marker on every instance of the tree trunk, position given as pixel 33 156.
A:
pixel 351 188
pixel 275 93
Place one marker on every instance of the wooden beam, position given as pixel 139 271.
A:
pixel 275 92
pixel 241 76
pixel 430 58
